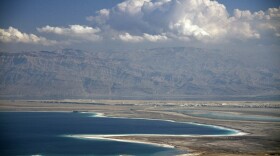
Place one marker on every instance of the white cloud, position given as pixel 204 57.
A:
pixel 14 35
pixel 182 18
pixel 203 20
pixel 75 31
pixel 103 16
pixel 274 12
pixel 160 20
pixel 126 37
pixel 186 28
pixel 129 38
pixel 255 25
pixel 154 38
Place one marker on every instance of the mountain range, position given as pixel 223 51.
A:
pixel 155 73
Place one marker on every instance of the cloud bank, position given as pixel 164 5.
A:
pixel 145 37
pixel 75 31
pixel 201 20
pixel 13 35
pixel 134 21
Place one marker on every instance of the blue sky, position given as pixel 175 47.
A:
pixel 252 5
pixel 62 23
pixel 26 14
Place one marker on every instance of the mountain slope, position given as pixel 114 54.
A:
pixel 176 72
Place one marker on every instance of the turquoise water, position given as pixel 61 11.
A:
pixel 43 133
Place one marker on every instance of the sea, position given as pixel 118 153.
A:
pixel 47 133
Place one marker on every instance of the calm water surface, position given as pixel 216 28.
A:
pixel 43 133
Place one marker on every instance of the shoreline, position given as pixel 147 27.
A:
pixel 255 138
pixel 111 136
pixel 107 137
pixel 235 132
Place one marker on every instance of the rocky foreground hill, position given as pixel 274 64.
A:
pixel 160 73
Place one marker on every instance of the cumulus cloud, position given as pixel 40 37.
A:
pixel 185 27
pixel 75 31
pixel 154 38
pixel 163 20
pixel 255 25
pixel 129 38
pixel 14 35
pixel 103 16
pixel 202 20
pixel 145 37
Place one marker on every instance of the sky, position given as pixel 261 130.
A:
pixel 87 24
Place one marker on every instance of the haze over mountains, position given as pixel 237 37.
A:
pixel 159 73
